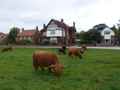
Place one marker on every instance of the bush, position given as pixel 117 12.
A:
pixel 25 42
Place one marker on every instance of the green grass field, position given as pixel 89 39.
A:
pixel 98 70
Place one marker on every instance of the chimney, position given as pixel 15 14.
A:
pixel 22 29
pixel 73 24
pixel 18 30
pixel 44 26
pixel 37 28
pixel 62 20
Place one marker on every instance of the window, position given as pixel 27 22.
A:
pixel 106 32
pixel 52 32
pixel 53 40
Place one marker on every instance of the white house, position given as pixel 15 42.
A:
pixel 59 33
pixel 53 31
pixel 108 36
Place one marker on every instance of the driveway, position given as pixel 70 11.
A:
pixel 22 46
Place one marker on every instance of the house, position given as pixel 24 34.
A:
pixel 27 34
pixel 58 33
pixel 2 37
pixel 108 36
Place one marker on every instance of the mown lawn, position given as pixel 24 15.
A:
pixel 98 70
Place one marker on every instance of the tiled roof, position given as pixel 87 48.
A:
pixel 27 33
pixel 1 33
pixel 60 24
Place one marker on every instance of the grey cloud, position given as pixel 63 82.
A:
pixel 28 13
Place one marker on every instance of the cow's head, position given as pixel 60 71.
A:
pixel 57 69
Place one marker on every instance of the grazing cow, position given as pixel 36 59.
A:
pixel 44 59
pixel 7 49
pixel 62 50
pixel 74 52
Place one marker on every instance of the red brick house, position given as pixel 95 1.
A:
pixel 27 34
pixel 58 33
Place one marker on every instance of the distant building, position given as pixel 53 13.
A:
pixel 27 34
pixel 58 33
pixel 108 36
pixel 2 37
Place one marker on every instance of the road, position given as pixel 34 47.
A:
pixel 20 46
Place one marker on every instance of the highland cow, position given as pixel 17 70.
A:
pixel 44 59
pixel 7 49
pixel 74 52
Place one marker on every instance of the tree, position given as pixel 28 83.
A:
pixel 84 37
pixel 118 35
pixel 92 36
pixel 13 34
pixel 36 37
pixel 114 29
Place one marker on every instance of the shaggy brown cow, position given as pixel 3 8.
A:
pixel 44 59
pixel 7 49
pixel 74 52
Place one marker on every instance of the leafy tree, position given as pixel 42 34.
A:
pixel 114 29
pixel 36 37
pixel 92 36
pixel 78 35
pixel 118 35
pixel 13 34
pixel 84 37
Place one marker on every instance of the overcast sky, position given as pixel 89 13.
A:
pixel 86 13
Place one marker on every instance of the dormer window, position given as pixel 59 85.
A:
pixel 107 32
pixel 52 32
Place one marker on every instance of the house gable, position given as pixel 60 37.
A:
pixel 54 29
pixel 58 32
pixel 107 33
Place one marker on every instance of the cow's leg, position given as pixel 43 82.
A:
pixel 36 67
pixel 42 68
pixel 49 69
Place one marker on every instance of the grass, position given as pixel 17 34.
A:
pixel 98 70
